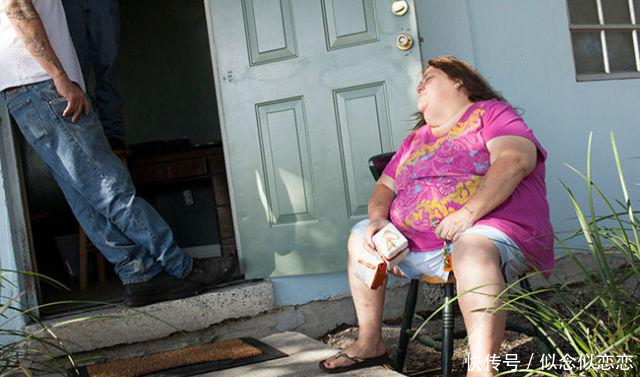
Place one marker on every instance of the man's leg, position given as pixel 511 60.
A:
pixel 103 25
pixel 79 154
pixel 143 278
pixel 133 264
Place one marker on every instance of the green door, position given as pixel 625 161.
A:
pixel 308 91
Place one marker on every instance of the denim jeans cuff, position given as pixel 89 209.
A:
pixel 140 278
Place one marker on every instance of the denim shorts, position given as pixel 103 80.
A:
pixel 513 263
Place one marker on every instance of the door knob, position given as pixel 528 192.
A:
pixel 399 8
pixel 404 42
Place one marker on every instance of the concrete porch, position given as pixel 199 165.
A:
pixel 113 325
pixel 247 309
pixel 304 355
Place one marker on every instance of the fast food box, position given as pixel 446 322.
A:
pixel 371 269
pixel 391 245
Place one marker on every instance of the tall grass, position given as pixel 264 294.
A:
pixel 39 350
pixel 24 353
pixel 594 327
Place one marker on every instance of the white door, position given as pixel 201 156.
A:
pixel 309 90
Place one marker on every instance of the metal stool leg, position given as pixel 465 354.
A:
pixel 405 329
pixel 447 331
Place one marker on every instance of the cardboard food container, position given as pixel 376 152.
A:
pixel 391 245
pixel 371 269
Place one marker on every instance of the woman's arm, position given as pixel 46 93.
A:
pixel 512 159
pixel 378 207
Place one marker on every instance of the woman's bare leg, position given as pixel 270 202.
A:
pixel 476 262
pixel 369 305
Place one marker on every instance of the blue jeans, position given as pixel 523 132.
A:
pixel 125 228
pixel 95 30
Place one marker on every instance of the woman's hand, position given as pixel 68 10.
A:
pixel 451 227
pixel 397 272
pixel 371 229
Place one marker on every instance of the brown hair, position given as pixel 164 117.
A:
pixel 471 81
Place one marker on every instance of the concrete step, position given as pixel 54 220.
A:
pixel 304 355
pixel 118 325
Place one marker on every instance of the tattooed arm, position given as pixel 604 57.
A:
pixel 29 28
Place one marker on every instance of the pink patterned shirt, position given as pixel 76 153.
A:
pixel 435 176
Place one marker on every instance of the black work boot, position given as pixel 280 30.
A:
pixel 209 272
pixel 161 287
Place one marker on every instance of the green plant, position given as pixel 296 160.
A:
pixel 40 350
pixel 603 325
pixel 22 352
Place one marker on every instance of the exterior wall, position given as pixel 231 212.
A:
pixel 523 48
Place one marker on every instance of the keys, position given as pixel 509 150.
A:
pixel 446 250
pixel 446 257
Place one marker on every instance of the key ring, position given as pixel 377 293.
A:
pixel 446 250
pixel 446 256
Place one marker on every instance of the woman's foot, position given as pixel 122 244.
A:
pixel 357 350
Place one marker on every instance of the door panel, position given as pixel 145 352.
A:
pixel 286 162
pixel 349 22
pixel 365 131
pixel 309 90
pixel 269 30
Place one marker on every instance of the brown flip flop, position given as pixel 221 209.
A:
pixel 359 362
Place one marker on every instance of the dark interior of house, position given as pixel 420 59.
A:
pixel 174 153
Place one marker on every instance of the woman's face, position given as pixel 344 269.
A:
pixel 436 93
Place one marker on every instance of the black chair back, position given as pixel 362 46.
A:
pixel 377 164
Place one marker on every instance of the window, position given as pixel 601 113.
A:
pixel 604 35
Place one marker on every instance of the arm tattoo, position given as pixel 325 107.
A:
pixel 29 27
pixel 21 10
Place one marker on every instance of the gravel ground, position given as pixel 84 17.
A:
pixel 425 361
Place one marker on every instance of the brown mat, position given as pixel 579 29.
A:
pixel 187 361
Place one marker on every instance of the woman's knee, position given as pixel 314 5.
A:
pixel 356 237
pixel 473 251
pixel 355 243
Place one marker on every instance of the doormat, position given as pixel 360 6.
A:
pixel 187 361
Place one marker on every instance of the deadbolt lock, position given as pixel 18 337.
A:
pixel 399 8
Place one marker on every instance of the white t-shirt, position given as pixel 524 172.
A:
pixel 18 66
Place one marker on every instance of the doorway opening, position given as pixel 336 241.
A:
pixel 175 156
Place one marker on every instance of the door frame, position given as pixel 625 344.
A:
pixel 16 234
pixel 208 9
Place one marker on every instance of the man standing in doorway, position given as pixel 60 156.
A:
pixel 42 85
pixel 95 31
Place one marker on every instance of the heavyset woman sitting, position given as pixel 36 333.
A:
pixel 471 173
